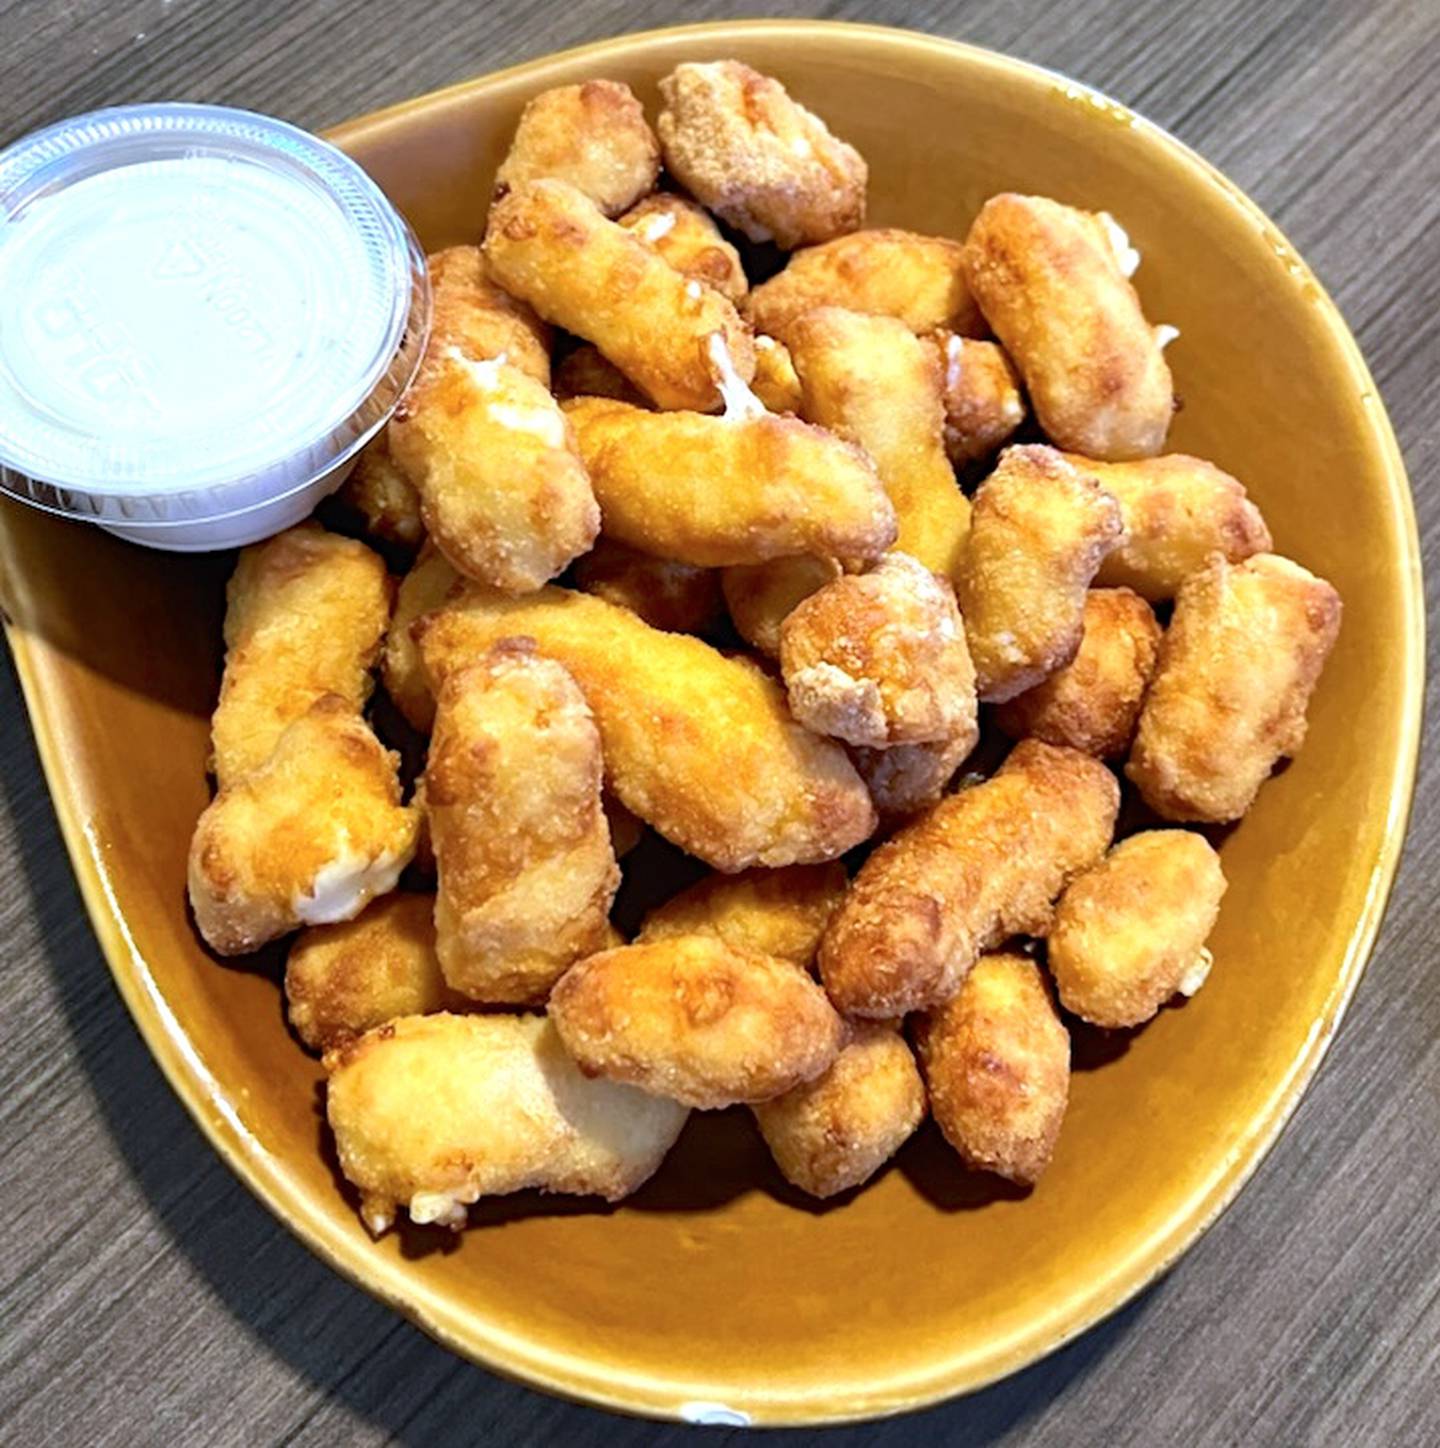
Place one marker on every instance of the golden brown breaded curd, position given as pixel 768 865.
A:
pixel 431 1113
pixel 1130 933
pixel 1238 663
pixel 907 778
pixel 477 317
pixel 379 501
pixel 677 597
pixel 525 870
pixel 340 980
pixel 983 402
pixel 549 244
pixel 759 160
pixel 872 381
pixel 760 596
pixel 689 240
pixel 1092 704
pixel 973 870
pixel 699 745
pixel 502 489
pixel 996 1061
pixel 738 488
pixel 308 838
pixel 1049 281
pixel 594 136
pixel 305 613
pixel 1039 531
pixel 423 589
pixel 775 383
pixel 697 1020
pixel 1177 511
pixel 837 1131
pixel 585 372
pixel 885 272
pixel 777 912
pixel 880 658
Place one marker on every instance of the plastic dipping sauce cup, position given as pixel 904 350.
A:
pixel 205 314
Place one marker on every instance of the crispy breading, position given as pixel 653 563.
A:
pixel 699 746
pixel 549 244
pixel 837 1131
pixel 780 912
pixel 1093 703
pixel 593 135
pixel 305 613
pixel 421 591
pixel 996 1061
pixel 715 491
pixel 676 597
pixel 1177 511
pixel 907 778
pixel 871 380
pixel 308 838
pixel 775 382
pixel 1049 281
pixel 758 159
pixel 1130 933
pixel 975 869
pixel 378 501
pixel 880 658
pixel 525 870
pixel 1039 532
pixel 343 979
pixel 983 401
pixel 760 596
pixel 698 1020
pixel 1238 664
pixel 502 489
pixel 585 372
pixel 886 272
pixel 431 1113
pixel 689 240
pixel 471 313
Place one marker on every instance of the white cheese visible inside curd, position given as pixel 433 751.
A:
pixel 1125 254
pixel 342 888
pixel 741 404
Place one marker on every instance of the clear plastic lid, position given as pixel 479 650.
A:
pixel 201 310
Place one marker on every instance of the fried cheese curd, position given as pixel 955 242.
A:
pixel 1177 511
pixel 880 658
pixel 549 244
pixel 781 912
pixel 744 487
pixel 1130 933
pixel 978 867
pixel 697 1020
pixel 699 745
pixel 759 160
pixel 305 614
pixel 907 778
pixel 341 980
pixel 1039 532
pixel 689 240
pixel 776 382
pixel 1051 283
pixel 983 402
pixel 422 590
pixel 1238 663
pixel 594 136
pixel 1093 703
pixel 996 1061
pixel 835 1132
pixel 585 372
pixel 471 312
pixel 676 597
pixel 886 272
pixel 526 873
pixel 431 1113
pixel 380 502
pixel 308 838
pixel 761 596
pixel 872 381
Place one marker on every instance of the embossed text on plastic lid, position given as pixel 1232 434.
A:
pixel 204 314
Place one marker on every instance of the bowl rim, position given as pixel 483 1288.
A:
pixel 580 1378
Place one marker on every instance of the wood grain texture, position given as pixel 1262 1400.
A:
pixel 146 1297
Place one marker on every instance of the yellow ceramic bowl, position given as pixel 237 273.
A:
pixel 717 1285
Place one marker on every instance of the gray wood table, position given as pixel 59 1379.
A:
pixel 147 1298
